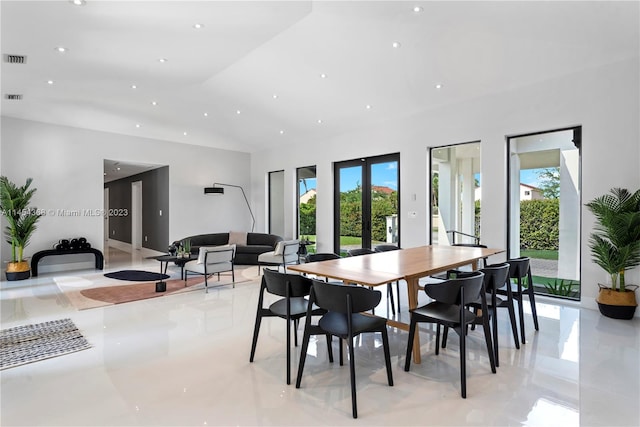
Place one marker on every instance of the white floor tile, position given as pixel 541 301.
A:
pixel 184 360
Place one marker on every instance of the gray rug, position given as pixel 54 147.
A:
pixel 30 343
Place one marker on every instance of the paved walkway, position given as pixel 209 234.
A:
pixel 544 267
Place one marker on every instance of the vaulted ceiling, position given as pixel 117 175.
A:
pixel 249 76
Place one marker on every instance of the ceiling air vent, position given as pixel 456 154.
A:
pixel 13 96
pixel 15 59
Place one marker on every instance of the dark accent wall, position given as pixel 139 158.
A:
pixel 155 198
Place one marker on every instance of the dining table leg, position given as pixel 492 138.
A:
pixel 413 289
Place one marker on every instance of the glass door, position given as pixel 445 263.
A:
pixel 367 202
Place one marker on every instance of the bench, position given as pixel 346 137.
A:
pixel 50 252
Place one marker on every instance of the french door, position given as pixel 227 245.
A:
pixel 367 202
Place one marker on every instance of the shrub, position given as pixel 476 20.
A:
pixel 539 224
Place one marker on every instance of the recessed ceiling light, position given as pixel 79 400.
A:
pixel 78 2
pixel 184 133
pixel 323 76
pixel 198 26
pixel 439 86
pixel 137 125
pixel 134 87
pixel 275 96
pixel 395 45
pixel 118 168
pixel 61 49
pixel 281 132
pixel 205 114
pixel 417 9
pixel 237 111
pixel 154 103
pixel 319 121
pixel 50 82
pixel 368 107
pixel 162 60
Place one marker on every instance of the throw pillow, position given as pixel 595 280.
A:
pixel 238 238
pixel 203 252
pixel 279 250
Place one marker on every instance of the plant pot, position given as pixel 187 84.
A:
pixel 616 304
pixel 18 270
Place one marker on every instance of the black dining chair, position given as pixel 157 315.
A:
pixel 495 276
pixel 448 309
pixel 367 251
pixel 292 307
pixel 344 305
pixel 386 248
pixel 520 270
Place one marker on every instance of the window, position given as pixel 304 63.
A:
pixel 306 178
pixel 276 203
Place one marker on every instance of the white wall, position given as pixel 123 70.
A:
pixel 66 165
pixel 604 100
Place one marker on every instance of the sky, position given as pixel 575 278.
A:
pixel 385 174
pixel 382 174
pixel 530 177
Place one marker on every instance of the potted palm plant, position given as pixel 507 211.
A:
pixel 21 220
pixel 615 247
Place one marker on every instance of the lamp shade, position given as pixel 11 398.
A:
pixel 213 190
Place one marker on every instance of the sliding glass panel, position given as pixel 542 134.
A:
pixel 544 208
pixel 455 194
pixel 307 207
pixel 384 203
pixel 349 208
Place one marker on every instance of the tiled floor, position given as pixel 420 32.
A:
pixel 184 360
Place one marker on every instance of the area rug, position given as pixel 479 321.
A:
pixel 34 342
pixel 136 275
pixel 138 291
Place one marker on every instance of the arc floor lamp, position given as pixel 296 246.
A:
pixel 218 189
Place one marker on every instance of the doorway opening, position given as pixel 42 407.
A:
pixel 543 209
pixel 136 208
pixel 455 194
pixel 136 215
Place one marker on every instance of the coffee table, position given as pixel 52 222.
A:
pixel 161 286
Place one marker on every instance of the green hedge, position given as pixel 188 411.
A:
pixel 539 224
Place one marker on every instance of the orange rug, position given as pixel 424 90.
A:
pixel 92 291
pixel 138 291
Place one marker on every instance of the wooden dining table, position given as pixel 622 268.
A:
pixel 409 264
